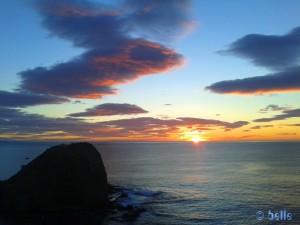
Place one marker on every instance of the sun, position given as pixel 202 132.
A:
pixel 196 140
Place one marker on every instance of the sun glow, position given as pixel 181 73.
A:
pixel 193 135
pixel 196 140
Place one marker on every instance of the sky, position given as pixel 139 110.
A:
pixel 149 70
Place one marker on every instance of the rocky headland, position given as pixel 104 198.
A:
pixel 65 183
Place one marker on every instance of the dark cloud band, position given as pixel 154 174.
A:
pixel 279 53
pixel 111 109
pixel 95 74
pixel 286 81
pixel 23 99
pixel 273 108
pixel 271 51
pixel 19 124
pixel 293 113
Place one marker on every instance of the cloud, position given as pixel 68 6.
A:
pixel 248 136
pixel 149 127
pixel 150 19
pixel 195 121
pixel 279 53
pixel 273 108
pixel 16 124
pixel 286 81
pixel 260 127
pixel 287 134
pixel 77 102
pixel 117 48
pixel 24 99
pixel 292 125
pixel 256 127
pixel 110 109
pixel 293 113
pixel 271 51
pixel 94 75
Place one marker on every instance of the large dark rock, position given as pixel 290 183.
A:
pixel 65 178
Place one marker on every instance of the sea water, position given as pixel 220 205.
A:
pixel 187 183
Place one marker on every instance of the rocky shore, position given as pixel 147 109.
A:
pixel 67 183
pixel 119 211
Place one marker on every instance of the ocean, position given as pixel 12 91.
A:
pixel 187 183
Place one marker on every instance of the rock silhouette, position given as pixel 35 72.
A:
pixel 65 178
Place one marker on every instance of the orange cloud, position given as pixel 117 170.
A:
pixel 114 54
